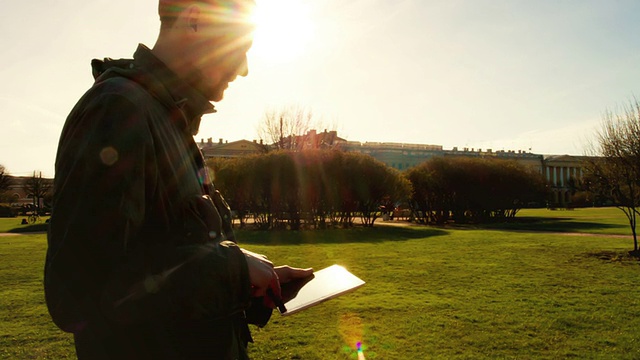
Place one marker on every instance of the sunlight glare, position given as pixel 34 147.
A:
pixel 283 29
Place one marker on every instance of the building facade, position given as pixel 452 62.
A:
pixel 396 155
pixel 18 195
pixel 562 173
pixel 225 149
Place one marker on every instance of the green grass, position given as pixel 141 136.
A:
pixel 26 331
pixel 430 293
pixel 465 294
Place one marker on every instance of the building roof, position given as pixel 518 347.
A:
pixel 231 149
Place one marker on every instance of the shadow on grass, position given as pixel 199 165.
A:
pixel 555 224
pixel 29 228
pixel 615 256
pixel 336 236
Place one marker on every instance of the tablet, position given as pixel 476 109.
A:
pixel 323 285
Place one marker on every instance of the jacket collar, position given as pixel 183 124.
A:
pixel 185 97
pixel 161 82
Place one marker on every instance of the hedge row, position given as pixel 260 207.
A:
pixel 330 188
pixel 308 189
pixel 473 189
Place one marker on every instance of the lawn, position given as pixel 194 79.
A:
pixel 443 293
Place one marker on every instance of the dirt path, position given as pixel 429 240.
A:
pixel 24 233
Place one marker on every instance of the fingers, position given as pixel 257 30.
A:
pixel 287 273
pixel 264 276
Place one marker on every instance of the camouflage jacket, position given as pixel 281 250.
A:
pixel 141 261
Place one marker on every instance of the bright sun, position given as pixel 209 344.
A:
pixel 283 29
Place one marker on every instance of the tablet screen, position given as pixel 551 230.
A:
pixel 323 285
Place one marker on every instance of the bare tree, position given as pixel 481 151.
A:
pixel 38 188
pixel 5 182
pixel 5 179
pixel 614 175
pixel 283 128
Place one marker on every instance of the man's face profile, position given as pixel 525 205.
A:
pixel 221 34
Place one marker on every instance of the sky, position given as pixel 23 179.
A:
pixel 491 74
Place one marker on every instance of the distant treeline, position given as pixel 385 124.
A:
pixel 473 189
pixel 318 189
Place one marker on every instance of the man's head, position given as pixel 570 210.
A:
pixel 205 41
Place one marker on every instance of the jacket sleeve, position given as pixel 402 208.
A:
pixel 97 265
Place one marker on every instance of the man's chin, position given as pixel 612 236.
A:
pixel 216 98
pixel 215 95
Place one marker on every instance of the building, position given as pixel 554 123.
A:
pixel 225 149
pixel 396 155
pixel 311 140
pixel 561 172
pixel 531 160
pixel 17 194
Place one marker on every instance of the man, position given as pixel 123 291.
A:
pixel 141 261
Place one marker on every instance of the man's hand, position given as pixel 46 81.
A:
pixel 263 275
pixel 297 278
pixel 287 273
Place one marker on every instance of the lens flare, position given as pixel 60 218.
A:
pixel 360 351
pixel 352 331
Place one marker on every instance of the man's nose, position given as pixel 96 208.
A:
pixel 243 68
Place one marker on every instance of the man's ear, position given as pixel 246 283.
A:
pixel 193 14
